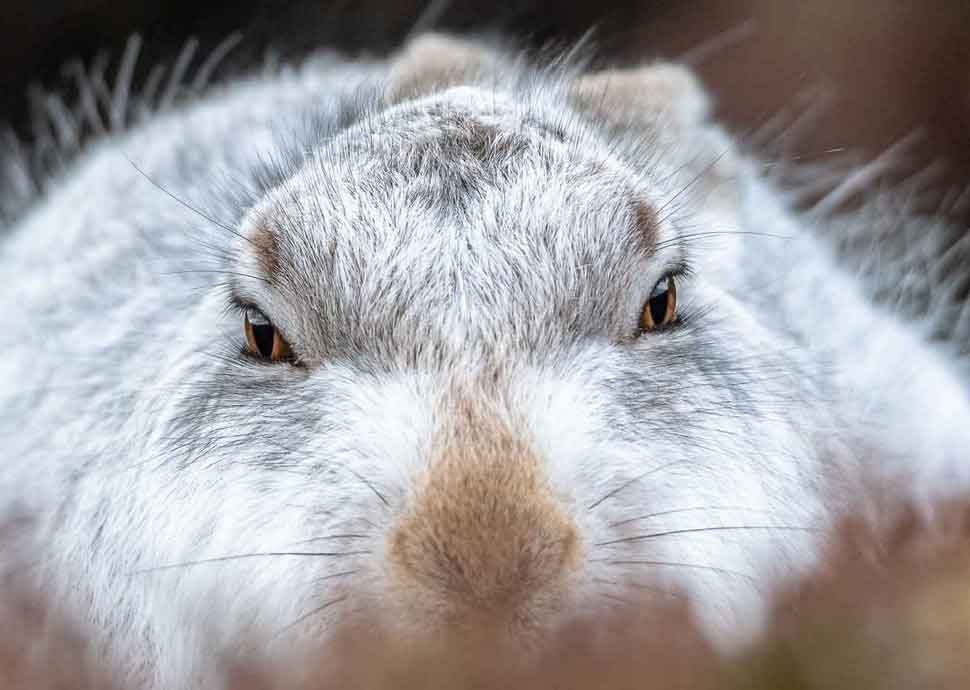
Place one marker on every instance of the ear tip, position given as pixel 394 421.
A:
pixel 680 87
pixel 433 59
pixel 669 90
pixel 432 40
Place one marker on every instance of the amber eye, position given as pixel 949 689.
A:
pixel 263 340
pixel 661 308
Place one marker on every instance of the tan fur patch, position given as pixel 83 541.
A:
pixel 646 221
pixel 435 61
pixel 667 100
pixel 264 244
pixel 484 533
pixel 661 93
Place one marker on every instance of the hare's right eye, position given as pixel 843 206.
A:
pixel 263 339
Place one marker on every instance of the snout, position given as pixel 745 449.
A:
pixel 483 535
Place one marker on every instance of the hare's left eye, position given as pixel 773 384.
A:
pixel 263 340
pixel 661 307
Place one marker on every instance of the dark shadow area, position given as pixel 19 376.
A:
pixel 878 69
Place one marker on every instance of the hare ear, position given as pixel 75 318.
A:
pixel 435 61
pixel 668 104
pixel 662 94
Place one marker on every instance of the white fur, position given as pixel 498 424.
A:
pixel 141 454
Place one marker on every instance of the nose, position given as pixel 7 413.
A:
pixel 484 532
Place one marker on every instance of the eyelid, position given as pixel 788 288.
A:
pixel 257 317
pixel 678 269
pixel 240 306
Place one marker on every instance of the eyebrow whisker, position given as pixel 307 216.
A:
pixel 187 205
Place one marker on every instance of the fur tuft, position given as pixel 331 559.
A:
pixel 886 608
pixel 63 126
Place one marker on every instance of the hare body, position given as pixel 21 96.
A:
pixel 457 248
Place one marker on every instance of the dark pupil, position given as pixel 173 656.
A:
pixel 264 336
pixel 658 306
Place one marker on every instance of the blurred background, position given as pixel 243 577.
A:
pixel 861 74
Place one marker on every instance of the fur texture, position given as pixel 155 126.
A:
pixel 885 608
pixel 475 434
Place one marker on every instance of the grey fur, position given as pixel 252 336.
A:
pixel 481 238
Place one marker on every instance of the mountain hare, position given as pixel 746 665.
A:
pixel 456 339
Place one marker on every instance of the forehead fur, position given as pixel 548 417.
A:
pixel 522 216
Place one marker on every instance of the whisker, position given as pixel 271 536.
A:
pixel 640 585
pixel 620 600
pixel 333 576
pixel 266 554
pixel 662 513
pixel 866 175
pixel 202 271
pixel 776 127
pixel 716 233
pixel 629 482
pixel 331 536
pixel 661 216
pixel 309 614
pixel 370 485
pixel 190 207
pixel 675 564
pixel 699 530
